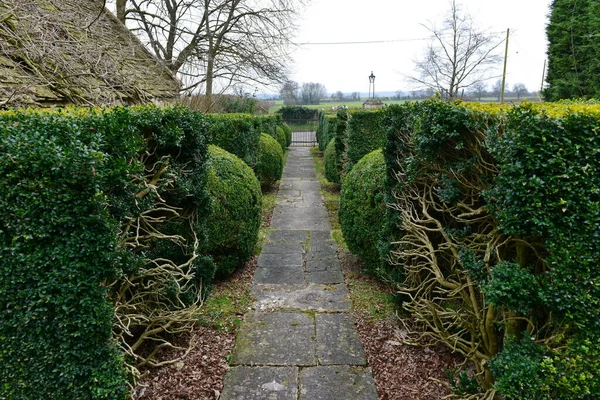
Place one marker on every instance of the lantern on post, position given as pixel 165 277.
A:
pixel 371 84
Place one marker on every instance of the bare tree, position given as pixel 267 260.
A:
pixel 312 93
pixel 520 89
pixel 497 88
pixel 290 93
pixel 479 89
pixel 223 42
pixel 459 55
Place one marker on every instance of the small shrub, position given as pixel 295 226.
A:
pixel 270 161
pixel 234 215
pixel 331 167
pixel 361 206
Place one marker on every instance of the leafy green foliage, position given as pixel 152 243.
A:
pixel 74 183
pixel 364 135
pixel 58 244
pixel 326 129
pixel 239 134
pixel 331 166
pixel 280 137
pixel 288 134
pixel 270 163
pixel 362 203
pixel 518 370
pixel 573 62
pixel 508 202
pixel 234 215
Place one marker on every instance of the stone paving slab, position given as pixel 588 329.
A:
pixel 322 245
pixel 275 338
pixel 286 236
pixel 279 276
pixel 337 383
pixel 338 342
pixel 321 298
pixel 301 223
pixel 282 248
pixel 320 235
pixel 253 383
pixel 322 265
pixel 329 276
pixel 268 260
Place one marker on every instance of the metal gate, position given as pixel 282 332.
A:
pixel 304 132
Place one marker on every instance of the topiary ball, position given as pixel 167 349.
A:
pixel 332 172
pixel 362 208
pixel 270 160
pixel 234 215
pixel 288 134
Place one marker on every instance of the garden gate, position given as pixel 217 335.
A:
pixel 304 132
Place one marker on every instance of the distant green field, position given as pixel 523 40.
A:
pixel 329 105
pixel 358 104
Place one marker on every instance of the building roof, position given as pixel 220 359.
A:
pixel 57 52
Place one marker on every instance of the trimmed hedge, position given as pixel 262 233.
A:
pixel 332 173
pixel 58 245
pixel 280 137
pixel 288 134
pixel 270 163
pixel 364 135
pixel 234 214
pixel 495 212
pixel 239 134
pixel 73 182
pixel 326 129
pixel 361 204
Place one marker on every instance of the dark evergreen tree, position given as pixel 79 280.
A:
pixel 573 64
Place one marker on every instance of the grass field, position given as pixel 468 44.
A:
pixel 358 104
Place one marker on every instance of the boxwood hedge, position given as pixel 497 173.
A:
pixel 270 162
pixel 364 135
pixel 362 201
pixel 234 214
pixel 238 134
pixel 73 183
pixel 58 246
pixel 502 205
pixel 332 173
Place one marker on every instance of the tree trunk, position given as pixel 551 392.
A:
pixel 121 10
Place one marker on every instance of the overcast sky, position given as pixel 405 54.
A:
pixel 346 67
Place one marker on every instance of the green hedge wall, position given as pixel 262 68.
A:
pixel 239 134
pixel 495 212
pixel 332 173
pixel 58 244
pixel 364 135
pixel 326 129
pixel 73 184
pixel 234 216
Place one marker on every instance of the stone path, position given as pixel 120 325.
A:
pixel 299 341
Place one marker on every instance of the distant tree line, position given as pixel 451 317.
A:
pixel 293 93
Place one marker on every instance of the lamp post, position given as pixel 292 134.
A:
pixel 372 83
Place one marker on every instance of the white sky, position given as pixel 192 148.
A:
pixel 346 67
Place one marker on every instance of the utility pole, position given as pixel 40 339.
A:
pixel 504 73
pixel 543 77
